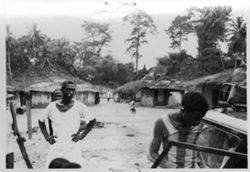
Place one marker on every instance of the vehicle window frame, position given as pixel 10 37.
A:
pixel 218 151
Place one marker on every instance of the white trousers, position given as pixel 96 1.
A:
pixel 69 151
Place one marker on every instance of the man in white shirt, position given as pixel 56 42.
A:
pixel 66 115
pixel 108 95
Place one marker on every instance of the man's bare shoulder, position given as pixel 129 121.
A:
pixel 160 127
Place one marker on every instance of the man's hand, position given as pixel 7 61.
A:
pixel 51 139
pixel 76 137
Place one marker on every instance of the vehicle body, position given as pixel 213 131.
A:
pixel 222 140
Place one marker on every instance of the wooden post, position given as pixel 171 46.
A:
pixel 29 120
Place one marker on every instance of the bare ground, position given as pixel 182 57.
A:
pixel 120 144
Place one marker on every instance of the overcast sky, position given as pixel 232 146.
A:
pixel 59 19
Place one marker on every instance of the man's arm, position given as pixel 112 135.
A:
pixel 79 136
pixel 47 137
pixel 201 161
pixel 159 133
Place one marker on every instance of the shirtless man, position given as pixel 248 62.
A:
pixel 66 115
pixel 183 126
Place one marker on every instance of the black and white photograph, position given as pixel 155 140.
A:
pixel 125 85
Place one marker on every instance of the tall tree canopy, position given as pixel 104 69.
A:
pixel 96 37
pixel 142 24
pixel 210 25
pixel 178 31
pixel 36 54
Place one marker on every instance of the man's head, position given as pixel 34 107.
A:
pixel 68 89
pixel 57 94
pixel 194 108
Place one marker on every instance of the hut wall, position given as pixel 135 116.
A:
pixel 211 92
pixel 91 98
pixel 147 98
pixel 138 95
pixel 208 94
pixel 86 97
pixel 82 96
pixel 16 99
pixel 40 99
pixel 116 97
pixel 174 99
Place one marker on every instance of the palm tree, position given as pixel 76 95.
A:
pixel 36 41
pixel 237 37
pixel 210 29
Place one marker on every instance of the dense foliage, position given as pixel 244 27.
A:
pixel 213 27
pixel 84 59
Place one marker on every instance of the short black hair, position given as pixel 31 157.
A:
pixel 65 83
pixel 195 102
pixel 58 163
pixel 72 165
pixel 63 163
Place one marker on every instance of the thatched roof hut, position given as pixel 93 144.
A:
pixel 218 78
pixel 133 87
pixel 88 94
pixel 210 86
pixel 130 90
pixel 10 89
pixel 162 92
pixel 41 93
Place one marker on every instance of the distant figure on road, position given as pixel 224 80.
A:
pixel 108 95
pixel 66 115
pixel 185 125
pixel 132 106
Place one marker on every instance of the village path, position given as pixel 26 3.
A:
pixel 120 144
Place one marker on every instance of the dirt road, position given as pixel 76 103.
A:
pixel 120 144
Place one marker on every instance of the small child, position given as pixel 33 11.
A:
pixel 132 106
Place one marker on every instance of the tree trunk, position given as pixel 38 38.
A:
pixel 29 120
pixel 9 66
pixel 137 57
pixel 222 64
pixel 138 44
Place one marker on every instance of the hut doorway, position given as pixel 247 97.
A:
pixel 160 97
pixel 97 98
pixel 22 98
pixel 215 97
